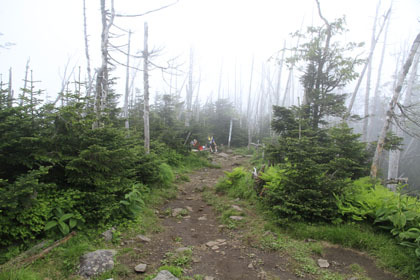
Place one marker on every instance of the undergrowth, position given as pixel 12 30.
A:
pixel 354 230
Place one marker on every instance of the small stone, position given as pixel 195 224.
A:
pixel 236 207
pixel 141 268
pixel 196 259
pixel 262 275
pixel 223 155
pixel 209 278
pixel 107 235
pixel 236 218
pixel 202 218
pixel 177 211
pixel 189 208
pixel 250 266
pixel 223 253
pixel 323 263
pixel 96 262
pixel 199 188
pixel 212 243
pixel 221 240
pixel 165 275
pixel 215 247
pixel 143 238
pixel 187 217
pixel 182 250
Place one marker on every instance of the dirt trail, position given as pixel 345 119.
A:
pixel 217 251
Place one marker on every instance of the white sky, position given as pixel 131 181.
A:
pixel 50 32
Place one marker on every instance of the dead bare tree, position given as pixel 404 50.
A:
pixel 368 78
pixel 379 75
pixel 369 58
pixel 248 114
pixel 65 80
pixel 127 86
pixel 102 76
pixel 25 83
pixel 189 91
pixel 89 72
pixel 10 90
pixel 391 107
pixel 278 86
pixel 146 90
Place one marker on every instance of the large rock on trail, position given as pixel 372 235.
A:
pixel 165 275
pixel 97 262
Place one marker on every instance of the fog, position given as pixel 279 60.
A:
pixel 225 37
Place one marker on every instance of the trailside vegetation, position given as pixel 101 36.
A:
pixel 316 184
pixel 60 171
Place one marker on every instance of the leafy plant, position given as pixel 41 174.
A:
pixel 132 203
pixel 237 184
pixel 63 221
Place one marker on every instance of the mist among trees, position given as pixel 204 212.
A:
pixel 320 110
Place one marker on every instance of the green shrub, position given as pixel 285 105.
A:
pixel 166 175
pixel 300 192
pixel 237 183
pixel 133 202
pixel 23 212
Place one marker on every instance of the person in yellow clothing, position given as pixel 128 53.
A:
pixel 212 144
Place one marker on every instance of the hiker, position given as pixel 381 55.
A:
pixel 196 145
pixel 212 144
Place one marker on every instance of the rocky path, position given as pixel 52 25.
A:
pixel 192 235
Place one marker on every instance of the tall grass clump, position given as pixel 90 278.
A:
pixel 237 184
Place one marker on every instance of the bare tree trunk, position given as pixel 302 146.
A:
pixel 372 49
pixel 379 75
pixel 412 79
pixel 127 86
pixel 197 101
pixel 288 87
pixel 392 104
pixel 368 77
pixel 64 82
pixel 10 90
pixel 189 92
pixel 89 72
pixel 31 97
pixel 102 83
pixel 25 83
pixel 248 114
pixel 278 86
pixel 230 132
pixel 395 156
pixel 146 90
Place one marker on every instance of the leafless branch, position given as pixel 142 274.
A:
pixel 122 64
pixel 148 12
